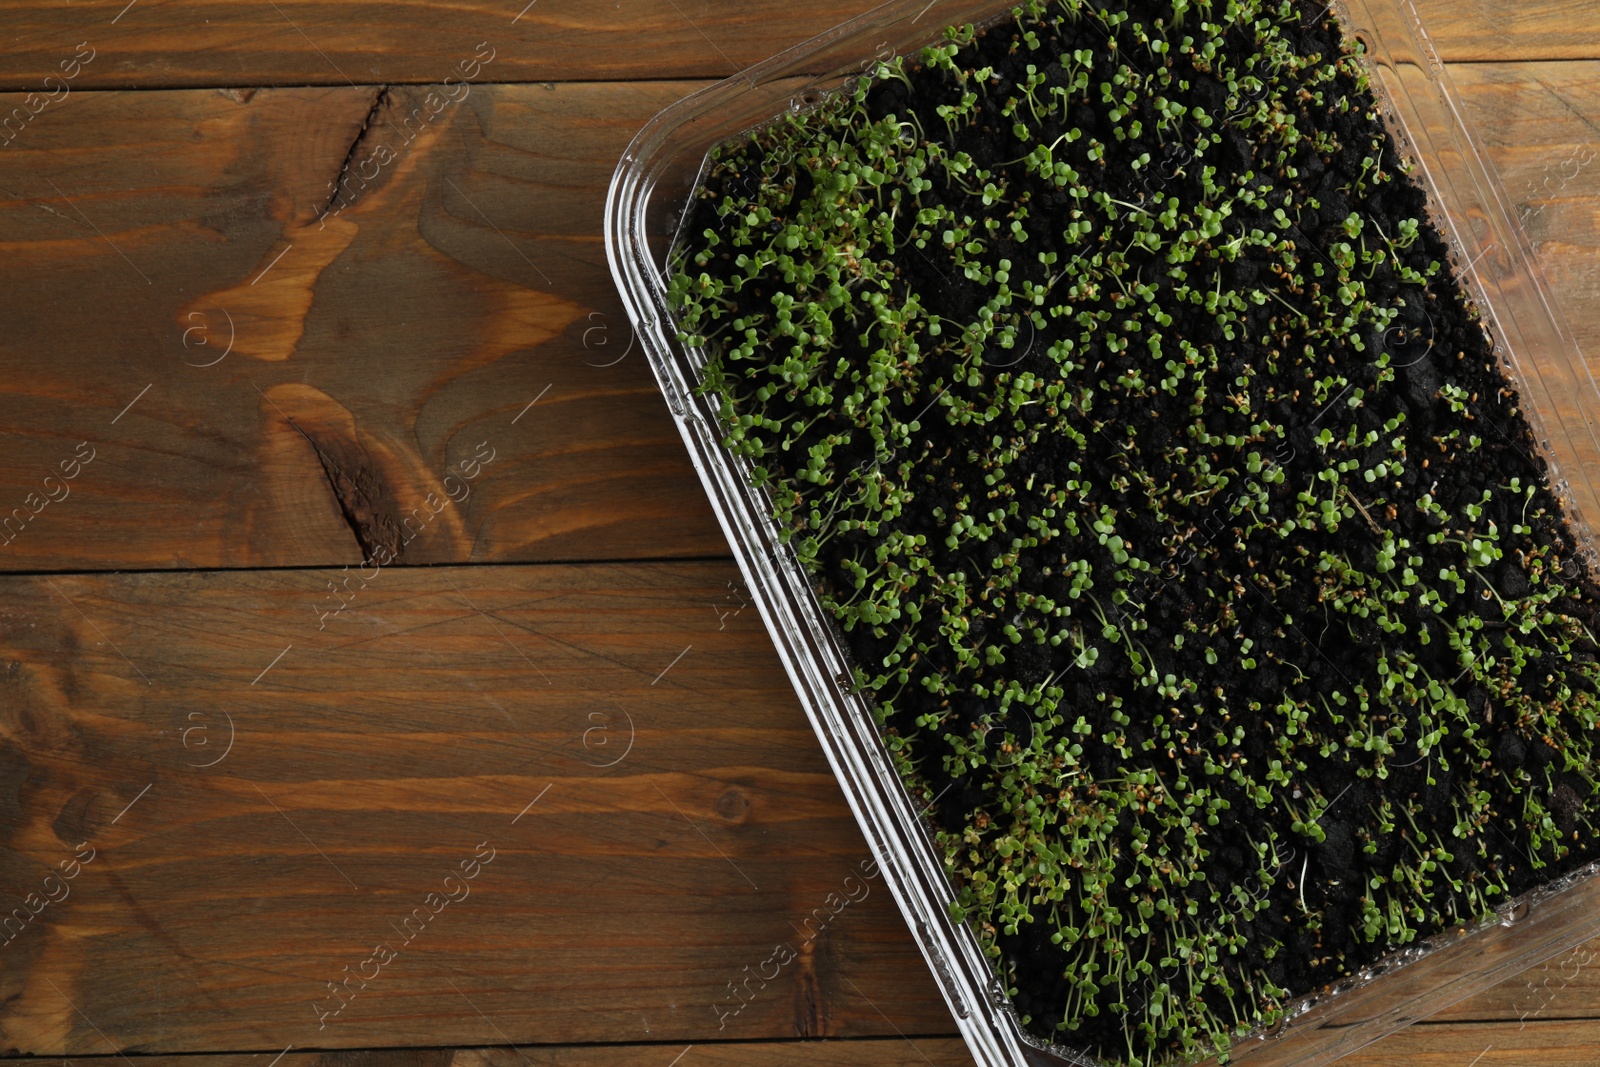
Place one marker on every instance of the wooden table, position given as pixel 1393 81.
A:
pixel 280 297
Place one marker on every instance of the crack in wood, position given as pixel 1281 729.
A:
pixel 378 100
pixel 811 1004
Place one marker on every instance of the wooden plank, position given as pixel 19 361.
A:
pixel 1540 125
pixel 1565 1043
pixel 1467 31
pixel 208 906
pixel 1567 987
pixel 298 42
pixel 898 1052
pixel 1550 1043
pixel 384 748
pixel 256 43
pixel 617 745
pixel 374 350
pixel 915 1051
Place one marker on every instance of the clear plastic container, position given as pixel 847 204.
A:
pixel 649 193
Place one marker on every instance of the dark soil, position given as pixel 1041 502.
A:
pixel 1224 574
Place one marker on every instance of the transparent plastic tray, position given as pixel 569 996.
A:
pixel 646 203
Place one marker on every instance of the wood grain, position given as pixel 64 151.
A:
pixel 890 1052
pixel 255 43
pixel 1564 1043
pixel 1540 126
pixel 378 347
pixel 249 43
pixel 1550 1043
pixel 1567 987
pixel 302 380
pixel 621 739
pixel 914 1051
pixel 1505 31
